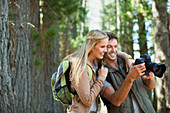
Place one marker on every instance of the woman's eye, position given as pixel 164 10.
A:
pixel 109 46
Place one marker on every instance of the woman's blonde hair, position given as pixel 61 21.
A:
pixel 79 58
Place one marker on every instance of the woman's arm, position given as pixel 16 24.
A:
pixel 124 55
pixel 86 93
pixel 128 59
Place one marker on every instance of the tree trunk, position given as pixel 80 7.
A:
pixel 57 107
pixel 20 55
pixel 50 64
pixel 83 4
pixel 162 54
pixel 64 44
pixel 37 80
pixel 126 29
pixel 7 103
pixel 118 17
pixel 142 34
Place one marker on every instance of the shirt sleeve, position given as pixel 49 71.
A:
pixel 87 93
pixel 106 83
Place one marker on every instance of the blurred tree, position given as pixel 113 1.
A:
pixel 143 14
pixel 82 17
pixel 7 104
pixel 109 16
pixel 162 54
pixel 126 26
pixel 38 93
pixel 50 54
pixel 20 54
pixel 118 18
pixel 143 11
pixel 60 21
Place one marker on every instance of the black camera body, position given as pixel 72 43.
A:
pixel 157 68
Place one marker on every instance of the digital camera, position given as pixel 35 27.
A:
pixel 157 68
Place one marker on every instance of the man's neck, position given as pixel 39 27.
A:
pixel 112 63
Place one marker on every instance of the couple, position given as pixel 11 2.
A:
pixel 121 91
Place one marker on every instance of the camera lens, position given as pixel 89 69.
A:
pixel 158 69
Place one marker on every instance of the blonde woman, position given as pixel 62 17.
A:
pixel 94 47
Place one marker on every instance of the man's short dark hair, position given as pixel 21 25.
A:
pixel 111 36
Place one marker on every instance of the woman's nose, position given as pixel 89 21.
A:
pixel 105 49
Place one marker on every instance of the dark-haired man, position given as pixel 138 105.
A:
pixel 125 92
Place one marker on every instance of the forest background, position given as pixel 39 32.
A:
pixel 35 35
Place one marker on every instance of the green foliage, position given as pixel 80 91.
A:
pixel 38 62
pixel 76 43
pixel 50 33
pixel 34 51
pixel 50 36
pixel 67 15
pixel 36 38
pixel 109 14
pixel 59 10
pixel 10 14
pixel 129 10
pixel 36 35
pixel 143 15
pixel 86 30
pixel 39 43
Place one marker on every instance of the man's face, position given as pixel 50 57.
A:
pixel 112 49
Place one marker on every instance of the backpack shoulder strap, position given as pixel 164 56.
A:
pixel 64 66
pixel 67 78
pixel 90 72
pixel 66 70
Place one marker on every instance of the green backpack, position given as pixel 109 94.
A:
pixel 60 83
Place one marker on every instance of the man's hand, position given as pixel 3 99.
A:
pixel 150 76
pixel 137 71
pixel 149 80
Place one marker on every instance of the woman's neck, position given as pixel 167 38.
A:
pixel 91 59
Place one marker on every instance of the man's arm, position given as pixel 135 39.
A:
pixel 117 97
pixel 149 80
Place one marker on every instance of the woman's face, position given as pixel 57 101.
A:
pixel 100 48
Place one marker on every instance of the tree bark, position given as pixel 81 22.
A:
pixel 21 56
pixel 7 103
pixel 118 17
pixel 142 34
pixel 50 59
pixel 83 4
pixel 162 54
pixel 37 80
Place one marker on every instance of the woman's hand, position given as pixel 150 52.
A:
pixel 103 71
pixel 129 63
pixel 128 59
